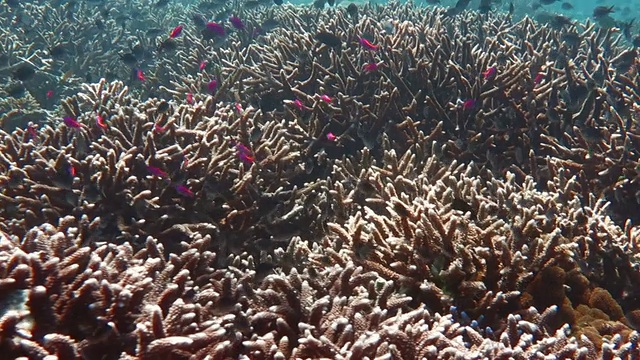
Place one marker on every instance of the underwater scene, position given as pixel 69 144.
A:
pixel 319 179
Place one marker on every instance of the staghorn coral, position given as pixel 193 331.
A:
pixel 422 229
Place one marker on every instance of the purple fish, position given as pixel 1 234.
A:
pixel 184 191
pixel 71 122
pixel 214 28
pixel 212 86
pixel 236 22
pixel 155 171
pixel 245 155
pixel 469 104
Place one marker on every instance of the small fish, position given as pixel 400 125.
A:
pixel 469 104
pixel 299 104
pixel 331 136
pixel 189 98
pixel 238 108
pixel 71 122
pixel 490 73
pixel 329 39
pixel 128 58
pixel 203 65
pixel 184 191
pixel 32 131
pixel 49 94
pixel 100 122
pixel 212 30
pixel 538 79
pixel 352 10
pixel 162 107
pixel 57 52
pixel 212 86
pixel 566 6
pixel 370 67
pixel 139 75
pixel 326 98
pixel 156 171
pixel 601 11
pixel 23 72
pixel 367 44
pixel 176 32
pixel 236 22
pixel 169 44
pixel 160 129
pixel 244 154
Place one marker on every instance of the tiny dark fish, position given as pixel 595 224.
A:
pixel 16 90
pixel 161 3
pixel 433 2
pixel 138 50
pixel 128 58
pixel 352 10
pixel 57 51
pixel 636 41
pixel 461 205
pixel 558 21
pixel 485 6
pixel 319 4
pixel 277 2
pixel 600 11
pixel 23 72
pixel 163 107
pixel 566 6
pixel 168 44
pixel 547 2
pixel 329 39
pixel 199 20
pixel 331 2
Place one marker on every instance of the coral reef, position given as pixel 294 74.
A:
pixel 390 183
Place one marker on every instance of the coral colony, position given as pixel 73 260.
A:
pixel 322 182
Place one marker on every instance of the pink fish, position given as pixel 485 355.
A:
pixel 370 67
pixel 368 45
pixel 176 32
pixel 490 73
pixel 238 107
pixel 71 122
pixel 140 75
pixel 326 98
pixel 100 122
pixel 49 94
pixel 299 104
pixel 469 104
pixel 156 171
pixel 160 129
pixel 212 86
pixel 214 28
pixel 331 136
pixel 189 98
pixel 184 191
pixel 236 22
pixel 203 64
pixel 245 155
pixel 538 79
pixel 32 131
